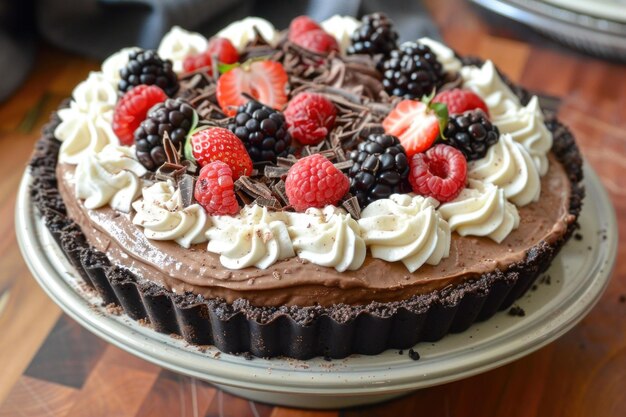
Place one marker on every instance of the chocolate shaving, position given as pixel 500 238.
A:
pixel 275 172
pixel 172 153
pixel 286 162
pixel 186 185
pixel 169 171
pixel 253 188
pixel 271 203
pixel 352 206
pixel 280 190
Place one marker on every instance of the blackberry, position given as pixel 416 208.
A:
pixel 472 133
pixel 412 71
pixel 376 35
pixel 174 116
pixel 262 130
pixel 380 169
pixel 147 67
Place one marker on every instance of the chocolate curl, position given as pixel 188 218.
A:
pixel 352 206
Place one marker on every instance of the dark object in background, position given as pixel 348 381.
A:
pixel 97 28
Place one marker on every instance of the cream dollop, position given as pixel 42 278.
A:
pixel 327 237
pixel 444 55
pixel 111 177
pixel 113 64
pixel 509 166
pixel 241 32
pixel 85 126
pixel 406 228
pixel 255 237
pixel 486 82
pixel 161 214
pixel 481 210
pixel 526 126
pixel 178 44
pixel 341 28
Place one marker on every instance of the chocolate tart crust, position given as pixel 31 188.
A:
pixel 299 332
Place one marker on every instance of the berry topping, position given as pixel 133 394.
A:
pixel 300 25
pixel 146 67
pixel 412 71
pixel 376 35
pixel 262 130
pixel 380 169
pixel 215 189
pixel 219 144
pixel 439 173
pixel 174 116
pixel 221 48
pixel 472 133
pixel 317 41
pixel 416 124
pixel 314 181
pixel 306 33
pixel 132 109
pixel 265 81
pixel 460 101
pixel 310 117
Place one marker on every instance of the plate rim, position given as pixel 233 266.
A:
pixel 334 382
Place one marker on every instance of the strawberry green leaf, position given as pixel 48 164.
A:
pixel 224 68
pixel 441 111
pixel 187 149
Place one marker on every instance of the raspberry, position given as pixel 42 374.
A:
pixel 460 101
pixel 132 109
pixel 316 41
pixel 310 117
pixel 314 181
pixel 301 24
pixel 219 144
pixel 215 190
pixel 439 173
pixel 221 48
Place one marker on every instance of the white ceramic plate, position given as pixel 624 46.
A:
pixel 579 275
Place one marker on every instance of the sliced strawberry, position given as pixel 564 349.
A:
pixel 300 25
pixel 415 124
pixel 265 81
pixel 221 48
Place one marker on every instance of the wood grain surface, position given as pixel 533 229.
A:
pixel 50 366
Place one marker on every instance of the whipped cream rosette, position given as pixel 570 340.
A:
pixel 254 237
pixel 163 217
pixel 109 177
pixel 327 237
pixel 242 32
pixel 341 28
pixel 487 83
pixel 178 44
pixel 481 210
pixel 509 166
pixel 406 228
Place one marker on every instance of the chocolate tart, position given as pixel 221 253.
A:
pixel 332 320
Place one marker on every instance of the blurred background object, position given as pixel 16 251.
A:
pixel 97 28
pixel 594 26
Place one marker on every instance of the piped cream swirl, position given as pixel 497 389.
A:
pixel 406 228
pixel 178 44
pixel 444 55
pixel 526 126
pixel 481 210
pixel 486 82
pixel 509 166
pixel 341 28
pixel 161 214
pixel 242 32
pixel 255 237
pixel 109 177
pixel 327 237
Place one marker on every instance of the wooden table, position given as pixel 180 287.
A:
pixel 50 366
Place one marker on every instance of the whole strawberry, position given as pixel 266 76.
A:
pixel 310 117
pixel 314 181
pixel 306 33
pixel 459 101
pixel 440 173
pixel 221 48
pixel 132 109
pixel 219 144
pixel 215 189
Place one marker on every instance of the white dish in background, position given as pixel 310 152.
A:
pixel 579 275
